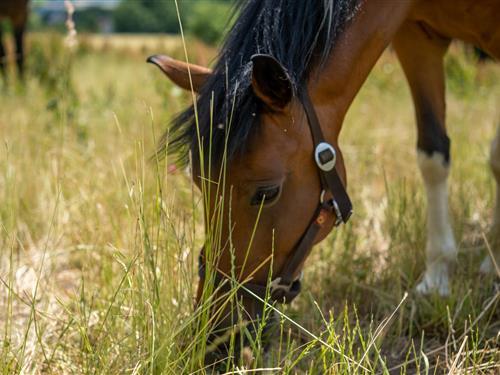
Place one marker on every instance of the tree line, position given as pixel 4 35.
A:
pixel 204 19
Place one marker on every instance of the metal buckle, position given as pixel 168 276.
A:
pixel 275 286
pixel 325 156
pixel 338 216
pixel 322 196
pixel 336 208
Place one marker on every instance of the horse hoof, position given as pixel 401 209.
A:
pixel 443 290
pixel 435 281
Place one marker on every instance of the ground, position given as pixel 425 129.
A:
pixel 98 243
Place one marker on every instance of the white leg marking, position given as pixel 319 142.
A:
pixel 487 265
pixel 441 249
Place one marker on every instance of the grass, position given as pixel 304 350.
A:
pixel 98 246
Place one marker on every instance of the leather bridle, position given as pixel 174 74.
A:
pixel 285 287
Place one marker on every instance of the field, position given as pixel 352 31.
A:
pixel 98 245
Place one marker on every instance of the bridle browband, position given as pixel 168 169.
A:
pixel 285 287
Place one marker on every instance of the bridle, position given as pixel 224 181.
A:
pixel 285 287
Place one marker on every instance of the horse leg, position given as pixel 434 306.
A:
pixel 420 52
pixel 488 266
pixel 3 57
pixel 19 38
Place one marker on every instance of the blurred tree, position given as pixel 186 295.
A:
pixel 132 16
pixel 91 19
pixel 207 20
pixel 165 13
pixel 204 19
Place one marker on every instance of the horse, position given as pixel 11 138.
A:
pixel 268 118
pixel 15 11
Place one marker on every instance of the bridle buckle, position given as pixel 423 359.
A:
pixel 285 292
pixel 276 286
pixel 338 214
pixel 333 206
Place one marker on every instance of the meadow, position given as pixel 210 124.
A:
pixel 99 244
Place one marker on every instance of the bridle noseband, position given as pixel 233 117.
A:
pixel 285 287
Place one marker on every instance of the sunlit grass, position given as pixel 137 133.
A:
pixel 99 245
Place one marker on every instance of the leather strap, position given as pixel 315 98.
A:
pixel 330 180
pixel 304 246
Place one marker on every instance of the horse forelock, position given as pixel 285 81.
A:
pixel 299 34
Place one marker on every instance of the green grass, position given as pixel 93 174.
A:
pixel 98 245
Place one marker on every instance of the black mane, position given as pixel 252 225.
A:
pixel 298 33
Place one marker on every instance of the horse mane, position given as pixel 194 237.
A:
pixel 300 34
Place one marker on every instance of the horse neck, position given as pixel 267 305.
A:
pixel 356 51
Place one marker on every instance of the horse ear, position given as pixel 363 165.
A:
pixel 179 71
pixel 271 82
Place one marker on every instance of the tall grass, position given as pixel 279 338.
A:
pixel 99 246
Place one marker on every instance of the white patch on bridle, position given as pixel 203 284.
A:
pixel 441 248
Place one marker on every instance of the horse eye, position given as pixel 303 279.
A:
pixel 265 195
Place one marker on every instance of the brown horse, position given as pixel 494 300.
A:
pixel 286 68
pixel 15 11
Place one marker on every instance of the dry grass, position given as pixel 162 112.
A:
pixel 98 245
